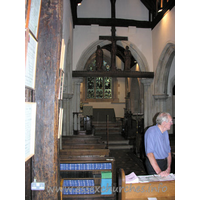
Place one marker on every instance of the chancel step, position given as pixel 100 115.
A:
pixel 118 144
pixel 113 128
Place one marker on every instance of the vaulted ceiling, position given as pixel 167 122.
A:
pixel 153 7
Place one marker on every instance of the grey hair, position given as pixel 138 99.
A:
pixel 162 117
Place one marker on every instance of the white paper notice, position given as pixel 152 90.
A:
pixel 31 62
pixel 34 16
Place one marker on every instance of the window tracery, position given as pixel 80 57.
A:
pixel 99 87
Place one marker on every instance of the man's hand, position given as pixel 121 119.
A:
pixel 164 173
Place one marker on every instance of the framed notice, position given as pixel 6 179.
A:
pixel 34 17
pixel 30 69
pixel 30 121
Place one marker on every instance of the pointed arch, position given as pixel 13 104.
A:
pixel 137 54
pixel 163 68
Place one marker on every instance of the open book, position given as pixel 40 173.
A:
pixel 155 177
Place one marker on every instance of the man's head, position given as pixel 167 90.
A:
pixel 164 120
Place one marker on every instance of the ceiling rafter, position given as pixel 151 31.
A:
pixel 149 4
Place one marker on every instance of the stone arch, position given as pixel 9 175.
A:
pixel 88 52
pixel 163 68
pixel 137 54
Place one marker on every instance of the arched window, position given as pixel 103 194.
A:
pixel 99 87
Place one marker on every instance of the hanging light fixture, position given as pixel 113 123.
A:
pixel 78 2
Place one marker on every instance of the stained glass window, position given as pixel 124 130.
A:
pixel 99 87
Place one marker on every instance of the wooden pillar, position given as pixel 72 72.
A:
pixel 46 158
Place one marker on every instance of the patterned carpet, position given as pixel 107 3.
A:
pixel 128 161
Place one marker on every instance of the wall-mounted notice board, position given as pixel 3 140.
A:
pixel 30 122
pixel 34 17
pixel 33 8
pixel 31 62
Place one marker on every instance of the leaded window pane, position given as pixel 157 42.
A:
pixel 90 88
pixel 99 87
pixel 107 87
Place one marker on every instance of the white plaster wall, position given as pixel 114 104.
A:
pixel 127 9
pixel 163 33
pixel 142 39
pixel 94 9
pixel 67 22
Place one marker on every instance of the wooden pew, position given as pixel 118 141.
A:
pixel 83 149
pixel 94 175
pixel 81 140
pixel 84 152
pixel 162 190
pixel 80 136
pixel 84 146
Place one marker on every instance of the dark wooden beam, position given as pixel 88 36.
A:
pixel 115 38
pixel 113 22
pixel 74 11
pixel 150 5
pixel 131 74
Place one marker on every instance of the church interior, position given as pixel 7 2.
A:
pixel 102 70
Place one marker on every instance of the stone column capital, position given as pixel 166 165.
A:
pixel 67 95
pixel 146 81
pixel 77 80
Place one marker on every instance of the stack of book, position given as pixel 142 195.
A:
pixel 78 187
pixel 78 190
pixel 69 183
pixel 85 166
